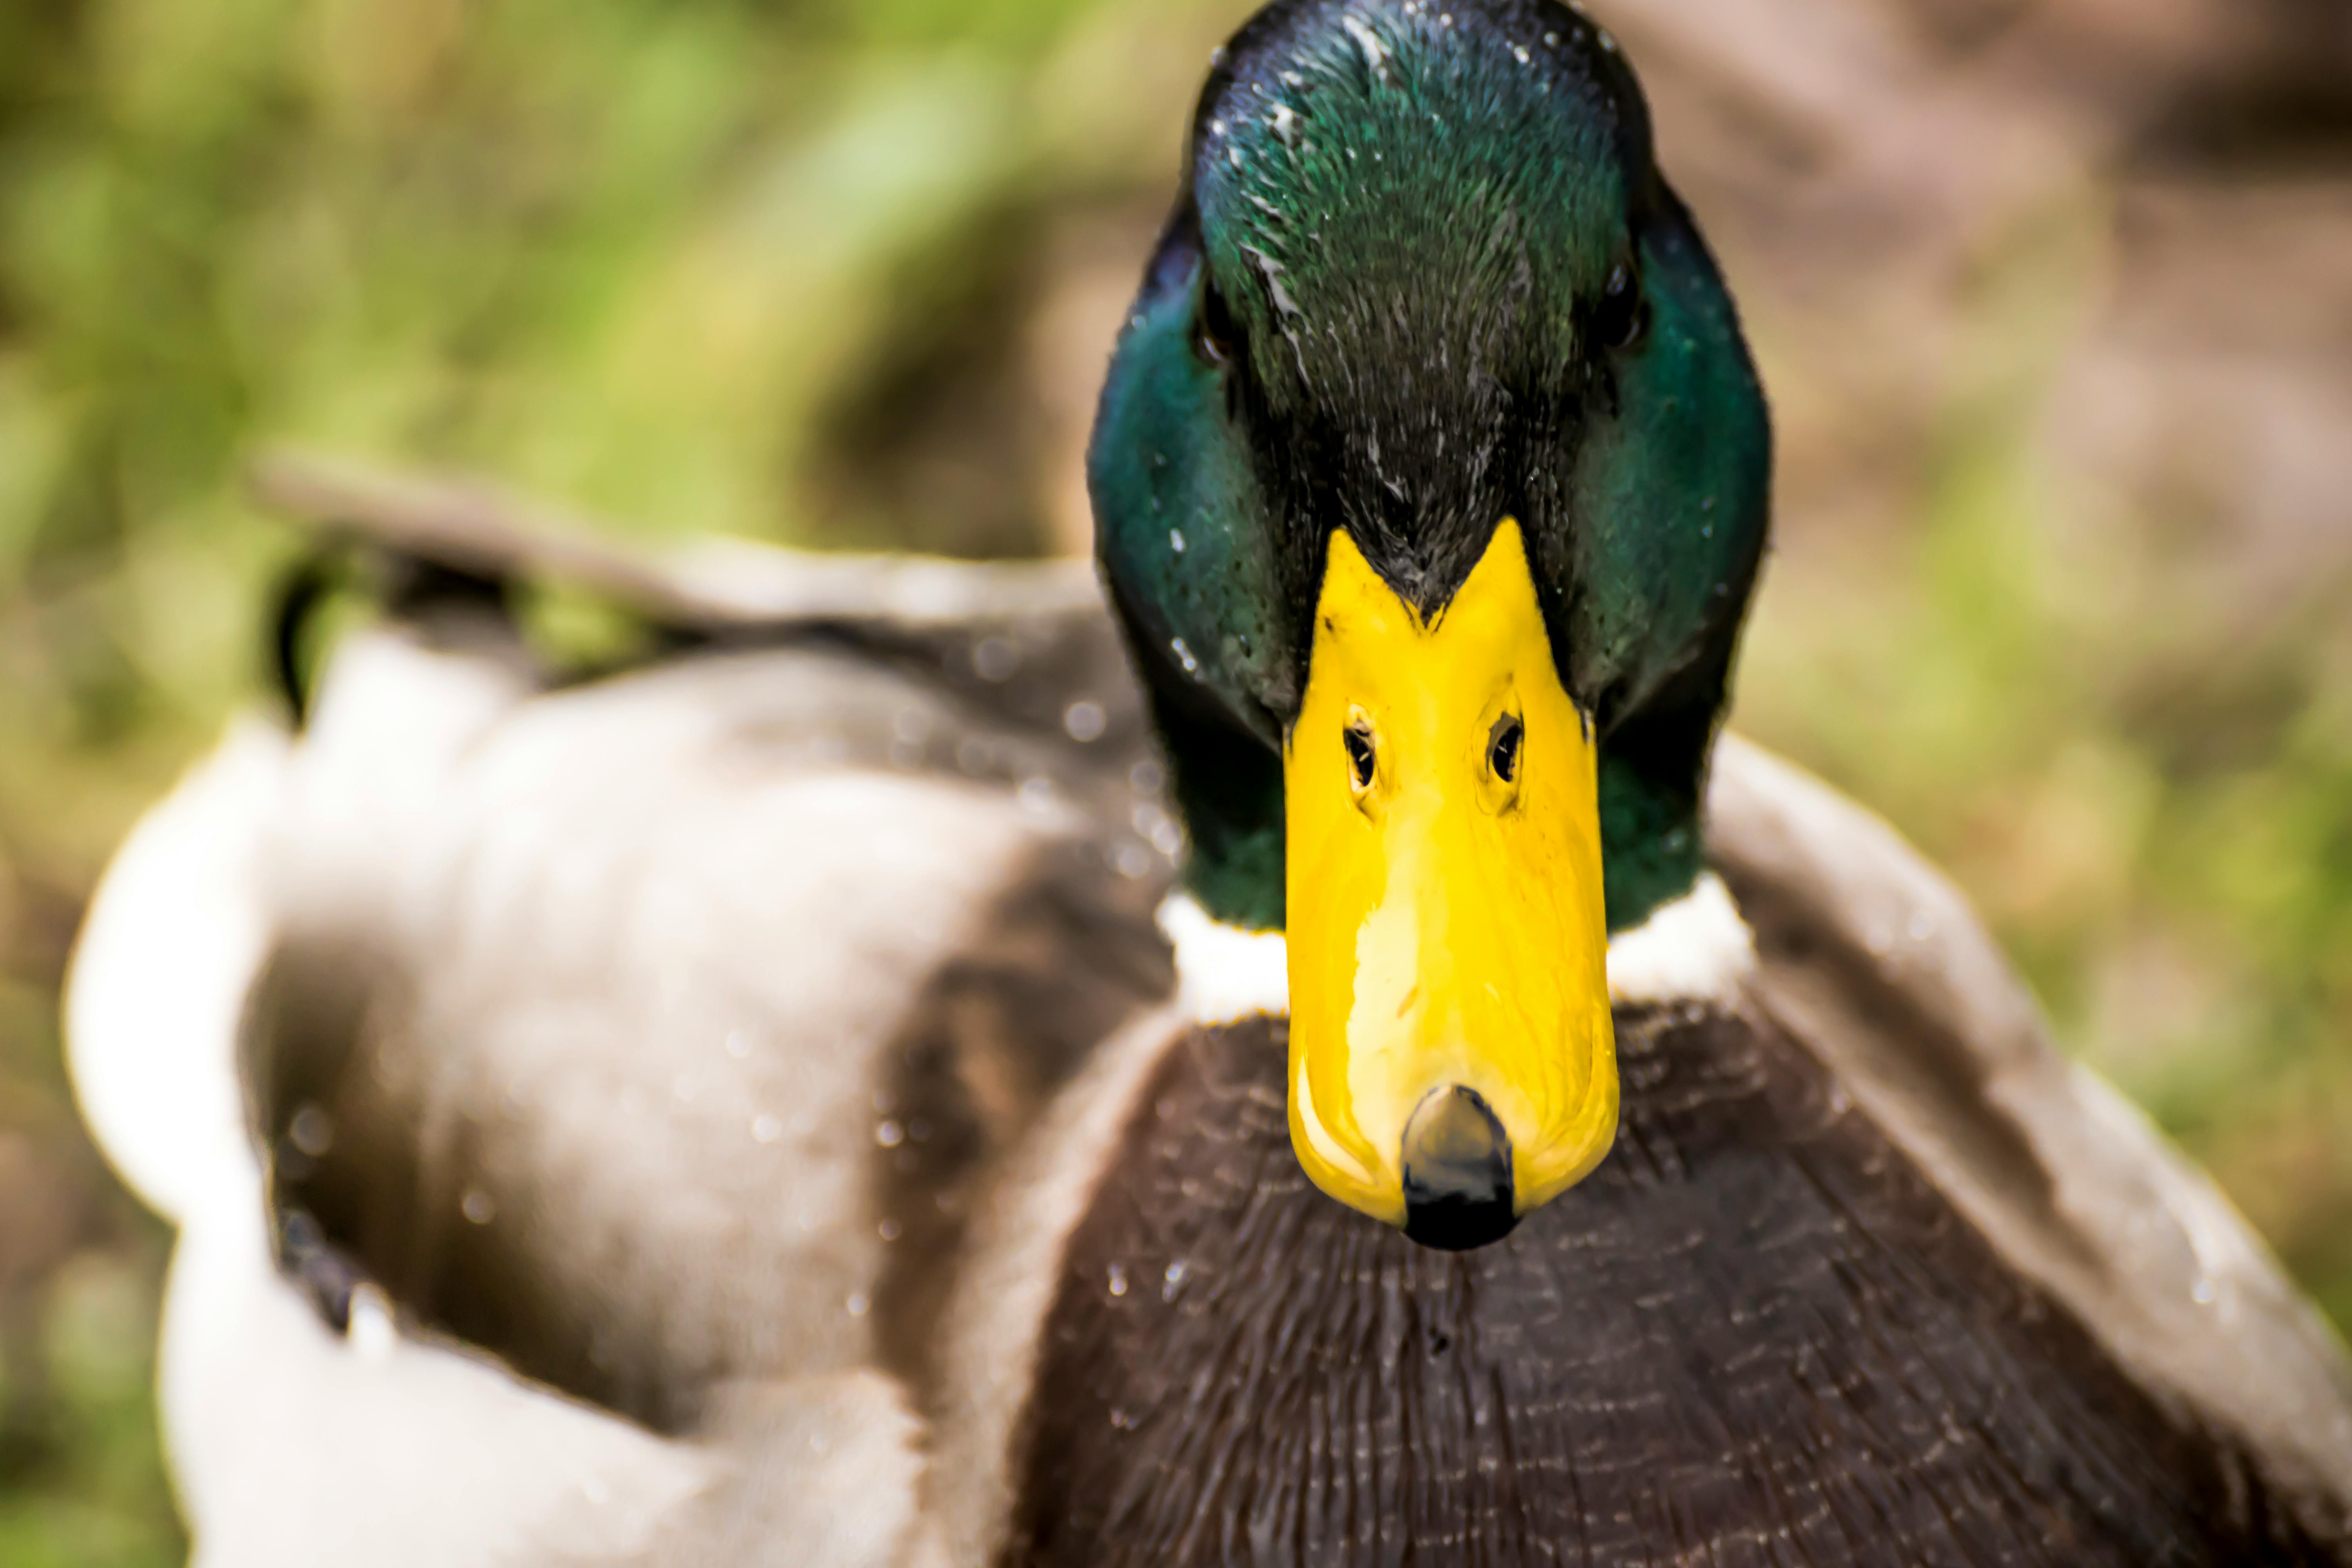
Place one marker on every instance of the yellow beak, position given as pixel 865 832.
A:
pixel 1452 1060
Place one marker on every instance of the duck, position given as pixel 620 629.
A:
pixel 1305 1043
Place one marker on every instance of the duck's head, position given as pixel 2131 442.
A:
pixel 1430 480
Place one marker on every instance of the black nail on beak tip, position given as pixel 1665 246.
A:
pixel 1457 1173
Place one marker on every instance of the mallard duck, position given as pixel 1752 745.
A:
pixel 758 1105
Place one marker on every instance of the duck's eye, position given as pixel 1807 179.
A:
pixel 1213 327
pixel 1621 316
pixel 1358 738
pixel 1503 747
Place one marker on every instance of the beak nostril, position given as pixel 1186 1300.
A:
pixel 1457 1172
pixel 1357 738
pixel 1503 747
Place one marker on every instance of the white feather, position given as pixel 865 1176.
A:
pixel 1224 974
pixel 1695 949
pixel 173 936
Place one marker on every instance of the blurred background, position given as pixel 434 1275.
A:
pixel 2053 297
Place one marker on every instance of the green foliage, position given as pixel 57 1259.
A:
pixel 81 1470
pixel 96 1497
pixel 618 253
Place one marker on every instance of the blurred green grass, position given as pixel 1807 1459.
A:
pixel 843 271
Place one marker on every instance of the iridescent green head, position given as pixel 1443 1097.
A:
pixel 1429 344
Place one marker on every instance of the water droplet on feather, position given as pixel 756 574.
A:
pixel 995 660
pixel 312 1130
pixel 1083 721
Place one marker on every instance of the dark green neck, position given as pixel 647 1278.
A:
pixel 1228 788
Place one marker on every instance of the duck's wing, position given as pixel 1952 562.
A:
pixel 582 1099
pixel 417 1454
pixel 651 1048
pixel 1872 959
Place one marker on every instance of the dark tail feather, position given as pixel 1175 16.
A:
pixel 301 592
